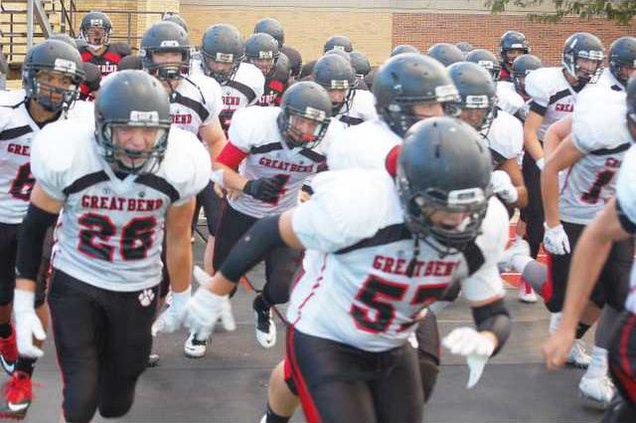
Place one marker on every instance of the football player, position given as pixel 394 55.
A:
pixel 123 182
pixel 195 105
pixel 349 105
pixel 592 155
pixel 52 74
pixel 96 29
pixel 511 45
pixel 272 27
pixel 446 53
pixel 553 93
pixel 261 50
pixel 242 83
pixel 338 42
pixel 622 64
pixel 277 149
pixel 383 249
pixel 615 223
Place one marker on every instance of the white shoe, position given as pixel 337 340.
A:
pixel 195 348
pixel 265 327
pixel 518 248
pixel 526 293
pixel 227 318
pixel 578 357
pixel 599 389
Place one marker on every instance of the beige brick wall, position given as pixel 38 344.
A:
pixel 305 29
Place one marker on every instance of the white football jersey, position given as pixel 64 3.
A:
pixel 195 103
pixel 626 197
pixel 17 130
pixel 365 146
pixel 362 294
pixel 599 132
pixel 507 97
pixel 608 80
pixel 254 131
pixel 112 229
pixel 243 90
pixel 362 109
pixel 552 96
pixel 505 137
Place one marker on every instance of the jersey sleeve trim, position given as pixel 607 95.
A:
pixel 537 108
pixel 243 89
pixel 12 133
pixel 85 182
pixel 192 104
pixel 231 156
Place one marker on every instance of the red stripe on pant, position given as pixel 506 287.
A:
pixel 546 289
pixel 307 402
pixel 625 373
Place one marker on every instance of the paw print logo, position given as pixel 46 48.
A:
pixel 146 297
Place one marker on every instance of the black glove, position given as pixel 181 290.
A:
pixel 265 189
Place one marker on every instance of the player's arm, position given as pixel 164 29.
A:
pixel 565 155
pixel 513 170
pixel 592 250
pixel 214 138
pixel 42 214
pixel 531 143
pixel 178 249
pixel 556 133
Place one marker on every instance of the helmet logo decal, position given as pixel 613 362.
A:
pixel 477 101
pixel 66 66
pixel 446 93
pixel 266 54
pixel 224 57
pixel 516 45
pixel 341 48
pixel 486 64
pixel 170 43
pixel 591 54
pixel 144 117
pixel 97 22
pixel 466 196
pixel 339 84
pixel 315 114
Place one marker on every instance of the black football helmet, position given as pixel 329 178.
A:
pixel 166 37
pixel 295 60
pixel 445 53
pixel 332 72
pixel 404 48
pixel 360 63
pixel 622 54
pixel 261 50
pixel 282 69
pixel 54 56
pixel 96 20
pixel 444 166
pixel 477 91
pixel 272 27
pixel 408 79
pixel 61 36
pixel 583 45
pixel 521 67
pixel 512 40
pixel 307 100
pixel 175 18
pixel 486 60
pixel 222 43
pixel 338 42
pixel 132 98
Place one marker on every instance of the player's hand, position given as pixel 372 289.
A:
pixel 171 319
pixel 555 240
pixel 476 347
pixel 202 312
pixel 27 324
pixel 502 186
pixel 557 348
pixel 227 317
pixel 264 189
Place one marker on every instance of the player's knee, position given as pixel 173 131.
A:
pixel 118 404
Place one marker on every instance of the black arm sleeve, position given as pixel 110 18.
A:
pixel 261 239
pixel 31 240
pixel 494 318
